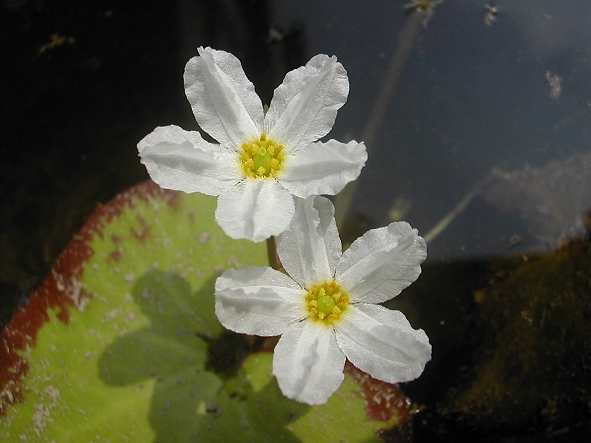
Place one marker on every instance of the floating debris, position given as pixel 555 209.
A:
pixel 555 82
pixel 490 14
pixel 426 7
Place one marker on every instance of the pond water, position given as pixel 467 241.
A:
pixel 466 99
pixel 477 116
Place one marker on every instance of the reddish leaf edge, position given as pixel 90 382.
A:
pixel 382 402
pixel 62 289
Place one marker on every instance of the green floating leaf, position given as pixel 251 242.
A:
pixel 121 343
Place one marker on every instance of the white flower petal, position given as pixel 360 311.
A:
pixel 182 160
pixel 257 300
pixel 305 105
pixel 379 265
pixel 223 100
pixel 255 209
pixel 323 168
pixel 382 343
pixel 308 363
pixel 310 249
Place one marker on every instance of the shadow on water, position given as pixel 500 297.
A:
pixel 190 402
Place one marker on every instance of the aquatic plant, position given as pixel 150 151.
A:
pixel 326 307
pixel 263 158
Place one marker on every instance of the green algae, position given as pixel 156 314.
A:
pixel 532 371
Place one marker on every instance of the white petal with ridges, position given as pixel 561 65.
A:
pixel 182 160
pixel 308 363
pixel 258 301
pixel 304 107
pixel 379 265
pixel 223 100
pixel 310 249
pixel 255 209
pixel 323 168
pixel 382 343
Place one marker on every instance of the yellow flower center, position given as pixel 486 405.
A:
pixel 262 158
pixel 326 302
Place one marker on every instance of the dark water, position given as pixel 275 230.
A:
pixel 450 107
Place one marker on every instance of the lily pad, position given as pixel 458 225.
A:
pixel 121 343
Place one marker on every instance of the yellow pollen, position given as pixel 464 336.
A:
pixel 326 303
pixel 262 158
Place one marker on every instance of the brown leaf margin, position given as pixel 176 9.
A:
pixel 382 402
pixel 63 290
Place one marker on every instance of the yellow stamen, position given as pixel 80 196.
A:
pixel 326 303
pixel 262 158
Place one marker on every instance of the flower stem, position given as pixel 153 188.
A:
pixel 274 260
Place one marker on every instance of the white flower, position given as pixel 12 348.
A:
pixel 262 159
pixel 326 307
